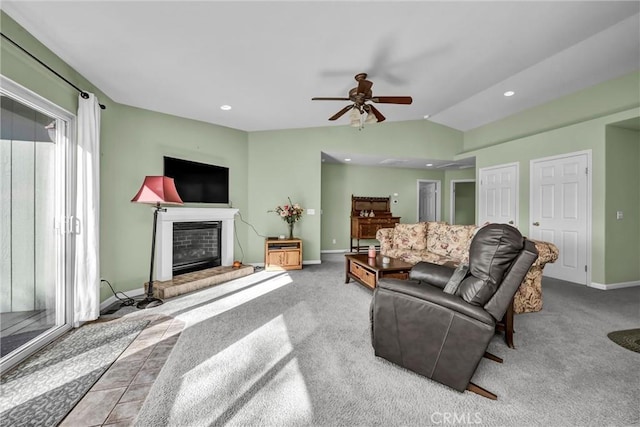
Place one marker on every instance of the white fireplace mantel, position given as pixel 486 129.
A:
pixel 164 237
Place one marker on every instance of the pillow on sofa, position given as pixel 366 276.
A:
pixel 450 240
pixel 410 236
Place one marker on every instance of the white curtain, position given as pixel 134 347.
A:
pixel 87 223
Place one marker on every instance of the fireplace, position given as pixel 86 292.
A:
pixel 196 246
pixel 164 245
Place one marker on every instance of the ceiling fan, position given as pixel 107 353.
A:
pixel 359 96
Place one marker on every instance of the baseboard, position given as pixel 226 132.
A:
pixel 133 293
pixel 610 286
pixel 335 251
pixel 308 262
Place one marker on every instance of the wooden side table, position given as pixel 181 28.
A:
pixel 282 254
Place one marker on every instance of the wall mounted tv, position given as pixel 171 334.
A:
pixel 198 182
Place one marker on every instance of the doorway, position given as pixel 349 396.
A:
pixel 35 273
pixel 560 212
pixel 498 194
pixel 428 200
pixel 463 202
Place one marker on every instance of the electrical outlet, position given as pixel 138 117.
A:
pixel 334 241
pixel 619 215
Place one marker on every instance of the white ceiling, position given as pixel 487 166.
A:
pixel 396 162
pixel 268 59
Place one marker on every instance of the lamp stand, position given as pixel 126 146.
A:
pixel 150 300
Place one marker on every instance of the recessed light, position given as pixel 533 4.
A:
pixel 429 164
pixel 225 107
pixel 347 160
pixel 509 93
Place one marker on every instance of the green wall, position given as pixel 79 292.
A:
pixel 585 136
pixel 340 182
pixel 450 175
pixel 288 163
pixel 465 207
pixel 135 148
pixel 622 251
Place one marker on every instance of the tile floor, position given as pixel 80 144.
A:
pixel 116 398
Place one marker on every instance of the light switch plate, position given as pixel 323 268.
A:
pixel 311 211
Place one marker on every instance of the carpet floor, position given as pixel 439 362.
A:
pixel 44 388
pixel 293 348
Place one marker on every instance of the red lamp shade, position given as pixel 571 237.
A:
pixel 158 190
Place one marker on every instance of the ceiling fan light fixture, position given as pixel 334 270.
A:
pixel 371 118
pixel 354 118
pixel 359 96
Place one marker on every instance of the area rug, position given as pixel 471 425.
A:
pixel 629 339
pixel 43 389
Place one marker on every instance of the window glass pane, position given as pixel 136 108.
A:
pixel 29 258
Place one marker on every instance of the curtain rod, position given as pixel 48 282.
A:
pixel 84 94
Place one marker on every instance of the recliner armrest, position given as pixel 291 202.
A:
pixel 433 274
pixel 435 295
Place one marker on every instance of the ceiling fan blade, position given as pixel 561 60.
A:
pixel 329 99
pixel 364 86
pixel 377 113
pixel 392 99
pixel 341 112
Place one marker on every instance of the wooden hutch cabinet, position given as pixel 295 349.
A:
pixel 365 227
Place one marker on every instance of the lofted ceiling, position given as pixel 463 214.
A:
pixel 268 59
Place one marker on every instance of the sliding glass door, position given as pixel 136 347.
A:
pixel 35 249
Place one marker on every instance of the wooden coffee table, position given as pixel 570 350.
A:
pixel 368 271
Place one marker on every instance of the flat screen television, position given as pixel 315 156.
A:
pixel 198 182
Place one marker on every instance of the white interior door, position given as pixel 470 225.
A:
pixel 559 212
pixel 428 200
pixel 498 194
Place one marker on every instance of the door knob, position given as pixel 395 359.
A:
pixel 511 222
pixel 536 223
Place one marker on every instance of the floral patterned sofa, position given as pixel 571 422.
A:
pixel 448 244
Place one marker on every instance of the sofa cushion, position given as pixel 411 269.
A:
pixel 414 256
pixel 410 236
pixel 492 252
pixel 449 240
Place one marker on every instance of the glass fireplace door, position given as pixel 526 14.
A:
pixel 34 242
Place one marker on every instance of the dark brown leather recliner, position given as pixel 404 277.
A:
pixel 444 335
